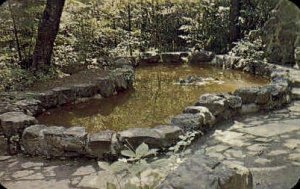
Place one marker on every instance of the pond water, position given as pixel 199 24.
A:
pixel 154 100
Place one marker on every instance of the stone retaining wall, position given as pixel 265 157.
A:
pixel 56 141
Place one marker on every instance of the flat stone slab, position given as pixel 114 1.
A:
pixel 4 158
pixel 296 93
pixel 269 130
pixel 14 123
pixel 84 170
pixel 99 144
pixel 201 172
pixel 274 177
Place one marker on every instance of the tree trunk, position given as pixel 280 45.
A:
pixel 235 33
pixel 129 27
pixel 15 31
pixel 47 32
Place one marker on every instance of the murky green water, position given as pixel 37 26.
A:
pixel 154 100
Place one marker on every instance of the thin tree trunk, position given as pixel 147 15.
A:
pixel 235 33
pixel 47 32
pixel 129 27
pixel 15 32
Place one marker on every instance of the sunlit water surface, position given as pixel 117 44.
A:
pixel 153 101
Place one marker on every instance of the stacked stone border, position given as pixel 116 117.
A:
pixel 18 123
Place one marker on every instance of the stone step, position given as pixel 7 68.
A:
pixel 296 83
pixel 296 93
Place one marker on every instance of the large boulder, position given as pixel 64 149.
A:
pixel 282 33
pixel 201 56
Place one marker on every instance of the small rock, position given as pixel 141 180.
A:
pixel 31 165
pixel 189 122
pixel 172 57
pixel 13 123
pixel 81 171
pixel 150 58
pixel 231 153
pixel 217 149
pixel 31 139
pixel 201 56
pixel 296 93
pixel 64 95
pixel 99 144
pixel 170 134
pixel 106 86
pixel 213 102
pixel 209 118
pixel 48 99
pixel 249 108
pixel 248 95
pixel 21 174
pixel 4 158
pixel 74 139
pixel 292 144
pixel 137 136
pixel 30 106
pixel 84 90
pixel 277 152
pixel 294 157
pixel 262 161
pixel 51 141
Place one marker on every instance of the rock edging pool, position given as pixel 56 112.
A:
pixel 34 139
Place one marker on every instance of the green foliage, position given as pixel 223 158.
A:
pixel 135 169
pixel 92 29
pixel 140 172
pixel 185 141
pixel 142 151
pixel 255 13
pixel 250 47
pixel 26 16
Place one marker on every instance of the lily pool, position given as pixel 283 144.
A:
pixel 156 97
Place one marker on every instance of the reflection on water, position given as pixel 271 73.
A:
pixel 154 99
